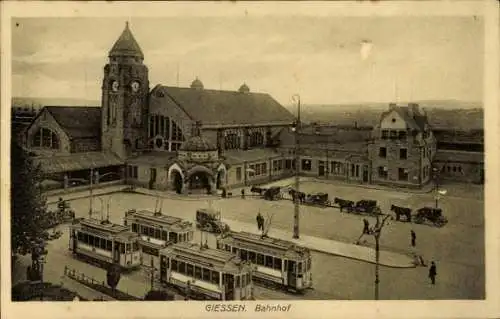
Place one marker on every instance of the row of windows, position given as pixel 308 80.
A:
pixel 277 165
pixel 132 171
pixel 105 244
pixel 452 168
pixel 206 274
pixel 393 134
pixel 232 141
pixel 161 234
pixel 383 173
pixel 267 260
pixel 403 153
pixel 257 169
pixel 165 127
pixel 45 138
pixel 255 139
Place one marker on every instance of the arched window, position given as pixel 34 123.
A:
pixel 45 138
pixel 232 141
pixel 256 139
pixel 165 127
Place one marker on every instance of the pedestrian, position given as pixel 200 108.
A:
pixel 413 238
pixel 433 273
pixel 243 193
pixel 366 227
pixel 259 221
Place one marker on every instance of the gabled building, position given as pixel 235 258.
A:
pixel 403 147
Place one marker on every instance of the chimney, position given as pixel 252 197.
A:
pixel 413 108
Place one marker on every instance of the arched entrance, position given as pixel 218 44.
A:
pixel 177 181
pixel 199 180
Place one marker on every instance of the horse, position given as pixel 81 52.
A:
pixel 405 211
pixel 399 211
pixel 301 196
pixel 344 203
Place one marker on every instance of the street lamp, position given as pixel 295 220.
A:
pixel 376 232
pixel 295 128
pixel 437 192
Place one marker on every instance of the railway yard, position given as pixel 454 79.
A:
pixel 457 248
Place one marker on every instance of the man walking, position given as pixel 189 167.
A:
pixel 259 221
pixel 413 238
pixel 433 273
pixel 243 193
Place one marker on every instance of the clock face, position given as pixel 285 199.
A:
pixel 114 86
pixel 135 86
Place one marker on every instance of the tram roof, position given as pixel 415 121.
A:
pixel 172 222
pixel 104 229
pixel 273 246
pixel 220 260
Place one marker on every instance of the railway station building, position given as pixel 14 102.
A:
pixel 194 139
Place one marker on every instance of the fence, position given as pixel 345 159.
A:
pixel 97 285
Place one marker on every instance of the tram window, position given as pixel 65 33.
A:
pixel 299 268
pixel 237 281
pixel 244 254
pixel 190 270
pixel 182 267
pixel 109 245
pixel 91 240
pixel 151 232
pixel 228 248
pixel 135 246
pixel 277 263
pixel 190 236
pixel 243 281
pixel 173 237
pixel 291 266
pixel 215 277
pixel 197 272
pixel 134 227
pixel 122 248
pixel 79 236
pixel 143 230
pixel 260 259
pixel 252 257
pixel 157 233
pixel 205 274
pixel 127 246
pixel 102 243
pixel 163 260
pixel 235 250
pixel 269 261
pixel 164 235
pixel 173 265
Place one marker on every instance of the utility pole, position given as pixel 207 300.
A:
pixel 91 195
pixel 152 274
pixel 377 231
pixel 296 215
pixel 436 185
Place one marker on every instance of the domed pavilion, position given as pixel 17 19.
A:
pixel 198 167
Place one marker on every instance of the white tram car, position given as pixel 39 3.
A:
pixel 157 231
pixel 278 263
pixel 206 273
pixel 104 243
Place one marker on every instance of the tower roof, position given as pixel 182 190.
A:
pixel 197 84
pixel 126 45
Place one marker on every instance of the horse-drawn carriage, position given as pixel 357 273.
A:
pixel 271 193
pixel 317 199
pixel 364 206
pixel 209 220
pixel 432 215
pixel 429 214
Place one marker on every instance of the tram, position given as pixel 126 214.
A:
pixel 104 243
pixel 279 263
pixel 157 231
pixel 205 273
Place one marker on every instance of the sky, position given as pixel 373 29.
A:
pixel 326 60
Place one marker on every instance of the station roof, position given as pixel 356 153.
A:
pixel 76 161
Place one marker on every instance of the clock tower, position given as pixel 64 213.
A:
pixel 125 90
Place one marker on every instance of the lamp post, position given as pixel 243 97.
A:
pixel 91 194
pixel 376 232
pixel 437 192
pixel 295 128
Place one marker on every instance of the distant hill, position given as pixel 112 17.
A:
pixel 41 102
pixel 442 114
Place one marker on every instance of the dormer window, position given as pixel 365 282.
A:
pixel 385 134
pixel 394 134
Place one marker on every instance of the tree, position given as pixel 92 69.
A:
pixel 28 207
pixel 113 276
